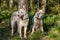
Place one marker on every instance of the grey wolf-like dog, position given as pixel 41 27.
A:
pixel 21 18
pixel 37 20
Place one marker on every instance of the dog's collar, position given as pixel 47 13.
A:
pixel 21 17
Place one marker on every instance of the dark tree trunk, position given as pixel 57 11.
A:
pixel 22 4
pixel 43 4
pixel 38 3
pixel 10 3
pixel 31 4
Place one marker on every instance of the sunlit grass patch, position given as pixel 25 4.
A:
pixel 37 35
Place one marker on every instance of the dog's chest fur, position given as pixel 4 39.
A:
pixel 36 20
pixel 23 22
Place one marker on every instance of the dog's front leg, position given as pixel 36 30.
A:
pixel 41 25
pixel 19 30
pixel 25 31
pixel 33 28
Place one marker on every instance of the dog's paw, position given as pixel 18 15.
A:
pixel 25 37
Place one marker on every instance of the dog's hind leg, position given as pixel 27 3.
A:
pixel 12 27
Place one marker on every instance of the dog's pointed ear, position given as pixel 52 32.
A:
pixel 36 10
